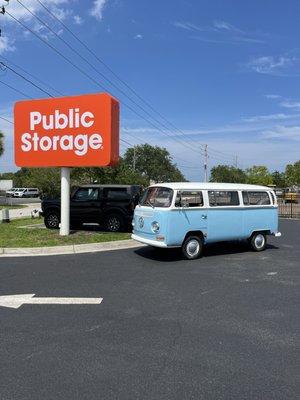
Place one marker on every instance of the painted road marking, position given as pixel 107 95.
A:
pixel 17 300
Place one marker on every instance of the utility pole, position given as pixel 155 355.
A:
pixel 205 162
pixel 236 161
pixel 134 158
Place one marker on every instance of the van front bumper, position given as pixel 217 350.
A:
pixel 150 242
pixel 277 234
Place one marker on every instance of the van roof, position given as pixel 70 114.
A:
pixel 210 185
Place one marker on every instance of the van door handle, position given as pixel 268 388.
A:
pixel 203 216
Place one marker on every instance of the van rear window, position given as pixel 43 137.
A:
pixel 256 198
pixel 219 198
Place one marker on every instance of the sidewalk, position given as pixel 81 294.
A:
pixel 23 212
pixel 69 249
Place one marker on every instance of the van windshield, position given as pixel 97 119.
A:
pixel 157 197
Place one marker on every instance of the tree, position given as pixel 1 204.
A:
pixel 292 173
pixel 279 179
pixel 153 163
pixel 47 180
pixel 225 173
pixel 259 175
pixel 1 143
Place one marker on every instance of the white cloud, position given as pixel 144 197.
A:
pixel 283 132
pixel 284 65
pixel 271 117
pixel 272 96
pixel 220 32
pixel 290 104
pixel 97 9
pixel 78 20
pixel 138 36
pixel 6 45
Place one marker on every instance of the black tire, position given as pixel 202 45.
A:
pixel 192 247
pixel 52 220
pixel 258 241
pixel 114 223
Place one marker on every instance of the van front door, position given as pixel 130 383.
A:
pixel 225 216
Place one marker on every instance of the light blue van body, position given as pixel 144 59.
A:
pixel 214 223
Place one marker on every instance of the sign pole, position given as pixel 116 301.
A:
pixel 65 202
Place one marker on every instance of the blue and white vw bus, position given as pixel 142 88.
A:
pixel 189 215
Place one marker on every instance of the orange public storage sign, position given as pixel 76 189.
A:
pixel 75 131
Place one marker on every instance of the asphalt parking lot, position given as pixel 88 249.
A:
pixel 222 327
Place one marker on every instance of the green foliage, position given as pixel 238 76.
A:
pixel 259 175
pixel 1 143
pixel 225 173
pixel 279 179
pixel 154 163
pixel 47 180
pixel 292 173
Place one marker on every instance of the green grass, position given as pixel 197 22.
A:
pixel 27 232
pixel 10 207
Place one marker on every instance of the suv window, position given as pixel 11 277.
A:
pixel 114 193
pixel 256 198
pixel 85 194
pixel 218 198
pixel 190 198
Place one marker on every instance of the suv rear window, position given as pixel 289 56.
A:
pixel 85 194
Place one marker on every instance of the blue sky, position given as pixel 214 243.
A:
pixel 224 73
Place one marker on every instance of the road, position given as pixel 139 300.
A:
pixel 222 327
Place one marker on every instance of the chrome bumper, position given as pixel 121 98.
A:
pixel 150 242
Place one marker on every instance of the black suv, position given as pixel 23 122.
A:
pixel 110 206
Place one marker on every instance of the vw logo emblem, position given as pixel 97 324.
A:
pixel 141 222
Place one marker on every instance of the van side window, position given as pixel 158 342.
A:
pixel 189 198
pixel 256 198
pixel 223 198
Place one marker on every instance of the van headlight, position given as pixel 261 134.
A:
pixel 155 226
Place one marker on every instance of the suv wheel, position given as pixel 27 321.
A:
pixel 52 220
pixel 258 241
pixel 192 247
pixel 114 223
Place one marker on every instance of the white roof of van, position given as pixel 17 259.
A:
pixel 211 186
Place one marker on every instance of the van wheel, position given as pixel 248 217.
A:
pixel 114 223
pixel 258 241
pixel 192 247
pixel 52 220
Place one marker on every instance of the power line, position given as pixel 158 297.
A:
pixel 32 76
pixel 26 79
pixel 100 73
pixel 117 76
pixel 15 89
pixel 94 81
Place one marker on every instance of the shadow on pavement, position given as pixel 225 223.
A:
pixel 215 249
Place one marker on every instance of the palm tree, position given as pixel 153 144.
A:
pixel 1 143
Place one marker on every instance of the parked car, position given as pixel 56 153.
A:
pixel 10 192
pixel 189 215
pixel 108 205
pixel 27 192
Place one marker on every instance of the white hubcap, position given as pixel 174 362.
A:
pixel 259 241
pixel 192 248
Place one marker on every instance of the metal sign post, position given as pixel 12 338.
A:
pixel 65 201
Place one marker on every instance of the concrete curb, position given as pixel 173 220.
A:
pixel 69 249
